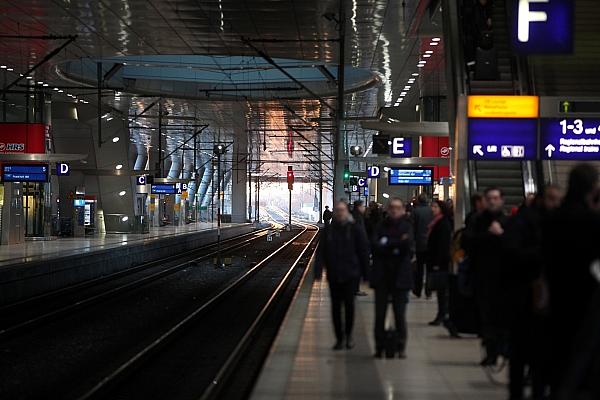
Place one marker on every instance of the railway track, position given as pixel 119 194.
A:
pixel 69 350
pixel 194 358
pixel 26 314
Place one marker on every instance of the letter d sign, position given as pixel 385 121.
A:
pixel 62 169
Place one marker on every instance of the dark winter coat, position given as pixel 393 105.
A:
pixel 343 251
pixel 392 245
pixel 422 216
pixel 438 245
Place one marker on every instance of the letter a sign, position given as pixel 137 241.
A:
pixel 543 26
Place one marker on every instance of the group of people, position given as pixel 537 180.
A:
pixel 533 277
pixel 345 250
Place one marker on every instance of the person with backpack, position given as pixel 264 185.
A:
pixel 391 277
pixel 343 252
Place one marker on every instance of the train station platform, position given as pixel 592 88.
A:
pixel 37 267
pixel 37 250
pixel 302 364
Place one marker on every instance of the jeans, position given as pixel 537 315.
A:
pixel 342 294
pixel 399 301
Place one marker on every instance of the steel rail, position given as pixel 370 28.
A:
pixel 49 316
pixel 137 360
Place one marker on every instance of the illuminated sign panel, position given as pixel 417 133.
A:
pixel 410 176
pixel 401 147
pixel 542 26
pixel 570 139
pixel 25 173
pixel 163 188
pixel 503 106
pixel 373 171
pixel 502 139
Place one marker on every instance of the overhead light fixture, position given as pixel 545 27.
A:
pixel 386 196
pixel 429 52
pixel 56 89
pixel 109 119
pixel 407 87
pixel 386 169
pixel 411 81
pixel 40 82
pixel 436 39
pixel 426 55
pixel 29 77
pixel 433 43
pixel 115 139
pixel 403 94
pixel 125 218
pixel 3 66
pixel 45 85
pixel 417 108
pixel 9 69
pixel 420 65
pixel 122 193
pixel 119 166
pixel 60 91
pixel 415 74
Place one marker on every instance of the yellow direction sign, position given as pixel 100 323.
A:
pixel 503 107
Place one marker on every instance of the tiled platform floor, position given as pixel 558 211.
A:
pixel 437 367
pixel 45 249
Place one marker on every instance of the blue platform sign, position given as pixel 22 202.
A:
pixel 401 147
pixel 570 139
pixel 373 171
pixel 25 172
pixel 410 176
pixel 543 26
pixel 163 188
pixel 502 139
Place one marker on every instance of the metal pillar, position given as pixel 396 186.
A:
pixel 340 148
pixel 99 100
pixel 219 262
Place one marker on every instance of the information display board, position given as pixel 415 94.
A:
pixel 570 139
pixel 502 139
pixel 163 188
pixel 25 172
pixel 410 176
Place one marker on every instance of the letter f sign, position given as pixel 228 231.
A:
pixel 526 16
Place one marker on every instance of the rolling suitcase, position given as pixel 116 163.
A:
pixel 486 65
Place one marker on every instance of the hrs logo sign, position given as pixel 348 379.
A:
pixel 12 147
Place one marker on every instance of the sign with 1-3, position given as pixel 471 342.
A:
pixel 570 139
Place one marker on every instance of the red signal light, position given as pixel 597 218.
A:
pixel 290 178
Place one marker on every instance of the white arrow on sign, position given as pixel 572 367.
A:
pixel 550 149
pixel 477 149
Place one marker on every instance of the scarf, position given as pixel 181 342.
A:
pixel 434 221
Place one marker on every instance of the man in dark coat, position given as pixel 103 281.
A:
pixel 391 275
pixel 523 276
pixel 327 215
pixel 484 240
pixel 422 216
pixel 570 246
pixel 343 252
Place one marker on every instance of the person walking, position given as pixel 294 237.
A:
pixel 438 258
pixel 343 252
pixel 391 275
pixel 570 246
pixel 359 214
pixel 485 244
pixel 422 216
pixel 327 215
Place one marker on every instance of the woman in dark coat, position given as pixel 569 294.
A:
pixel 438 257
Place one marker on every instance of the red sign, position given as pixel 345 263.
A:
pixel 433 146
pixel 22 138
